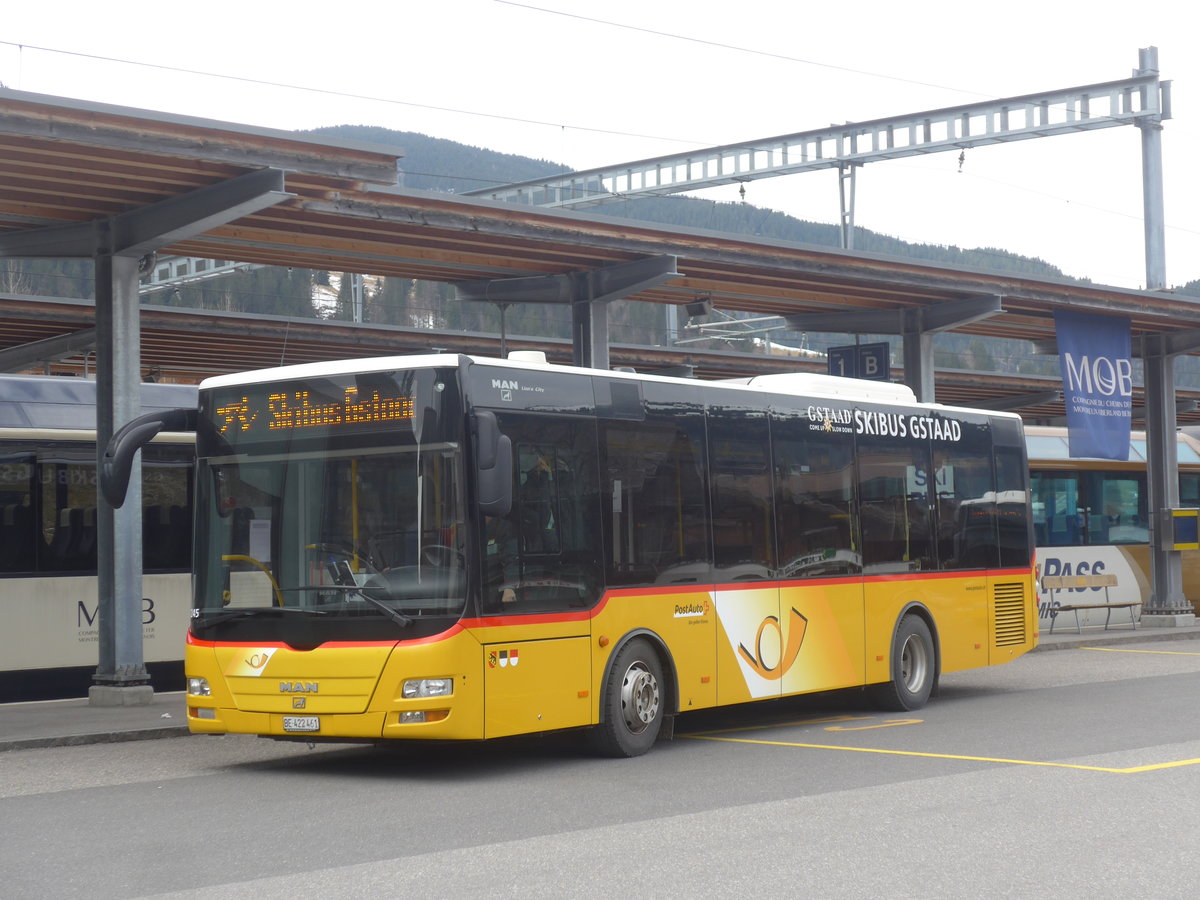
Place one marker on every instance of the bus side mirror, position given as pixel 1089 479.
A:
pixel 493 465
pixel 117 464
pixel 426 401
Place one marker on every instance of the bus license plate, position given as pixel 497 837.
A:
pixel 301 723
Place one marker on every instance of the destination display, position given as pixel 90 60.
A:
pixel 259 412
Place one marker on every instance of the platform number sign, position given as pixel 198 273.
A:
pixel 869 361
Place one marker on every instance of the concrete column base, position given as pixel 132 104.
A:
pixel 120 695
pixel 1167 620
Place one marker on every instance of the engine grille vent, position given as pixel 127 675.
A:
pixel 1009 603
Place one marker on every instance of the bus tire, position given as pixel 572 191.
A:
pixel 632 705
pixel 914 667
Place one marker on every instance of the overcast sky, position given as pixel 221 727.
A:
pixel 586 84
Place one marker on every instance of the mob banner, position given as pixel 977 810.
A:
pixel 1097 383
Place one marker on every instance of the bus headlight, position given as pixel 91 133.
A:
pixel 198 687
pixel 427 687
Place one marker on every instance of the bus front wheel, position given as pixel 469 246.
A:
pixel 631 714
pixel 914 667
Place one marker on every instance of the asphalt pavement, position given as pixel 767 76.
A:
pixel 65 723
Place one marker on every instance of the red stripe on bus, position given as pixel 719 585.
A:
pixel 429 639
pixel 501 621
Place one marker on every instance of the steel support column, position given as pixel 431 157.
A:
pixel 847 178
pixel 1167 605
pixel 1152 176
pixel 587 292
pixel 121 678
pixel 589 333
pixel 918 359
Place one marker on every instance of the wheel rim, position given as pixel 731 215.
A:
pixel 914 664
pixel 639 697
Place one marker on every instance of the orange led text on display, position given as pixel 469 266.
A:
pixel 292 410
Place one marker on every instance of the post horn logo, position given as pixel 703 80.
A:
pixel 797 626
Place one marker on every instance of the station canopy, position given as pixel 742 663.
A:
pixel 66 163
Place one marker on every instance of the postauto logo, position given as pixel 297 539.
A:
pixel 797 626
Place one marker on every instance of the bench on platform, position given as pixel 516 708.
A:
pixel 1053 583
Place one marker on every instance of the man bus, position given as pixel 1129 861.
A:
pixel 450 547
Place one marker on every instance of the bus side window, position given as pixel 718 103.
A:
pixel 896 516
pixel 742 503
pixel 1011 508
pixel 814 485
pixel 654 513
pixel 542 556
pixel 539 479
pixel 966 508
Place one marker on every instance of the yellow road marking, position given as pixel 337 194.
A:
pixel 761 725
pixel 890 723
pixel 1132 770
pixel 1158 652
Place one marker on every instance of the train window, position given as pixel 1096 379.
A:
pixel 48 508
pixel 1056 509
pixel 67 504
pixel 1189 489
pixel 1115 508
pixel 166 508
pixel 17 528
pixel 1077 509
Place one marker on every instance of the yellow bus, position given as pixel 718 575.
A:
pixel 1091 517
pixel 447 547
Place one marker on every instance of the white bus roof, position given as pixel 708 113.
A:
pixel 806 384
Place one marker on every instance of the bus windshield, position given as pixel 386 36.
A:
pixel 368 532
pixel 318 530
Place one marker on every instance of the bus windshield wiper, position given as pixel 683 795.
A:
pixel 398 617
pixel 250 611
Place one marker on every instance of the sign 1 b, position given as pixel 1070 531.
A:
pixel 870 361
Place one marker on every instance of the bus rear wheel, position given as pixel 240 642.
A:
pixel 914 667
pixel 632 707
